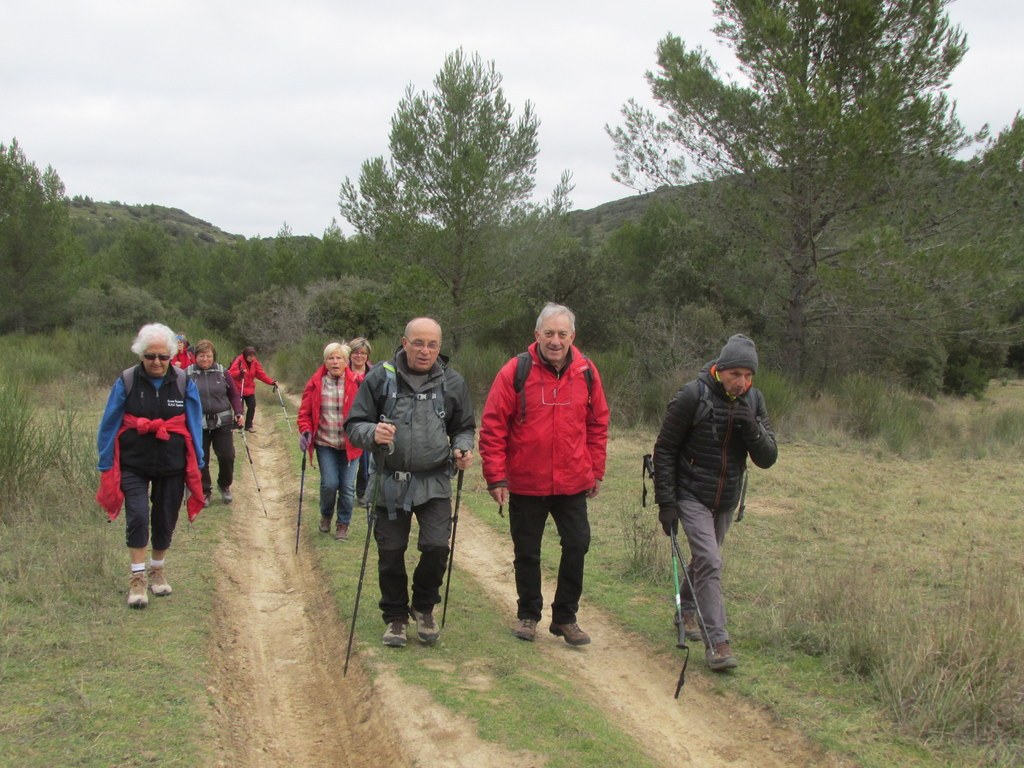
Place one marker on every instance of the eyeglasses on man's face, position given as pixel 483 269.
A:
pixel 420 344
pixel 153 356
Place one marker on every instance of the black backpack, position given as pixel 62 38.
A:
pixel 524 362
pixel 129 381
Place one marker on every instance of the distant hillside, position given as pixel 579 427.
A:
pixel 600 222
pixel 174 221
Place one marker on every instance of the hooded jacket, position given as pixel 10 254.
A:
pixel 561 446
pixel 700 456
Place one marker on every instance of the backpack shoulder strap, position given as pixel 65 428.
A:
pixel 182 379
pixel 524 362
pixel 704 406
pixel 390 390
pixel 128 380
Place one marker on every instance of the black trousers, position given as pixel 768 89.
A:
pixel 392 537
pixel 223 441
pixel 527 517
pixel 250 409
pixel 165 493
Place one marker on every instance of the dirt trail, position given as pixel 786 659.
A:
pixel 280 698
pixel 617 674
pixel 278 693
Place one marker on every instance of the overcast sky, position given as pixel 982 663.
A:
pixel 249 114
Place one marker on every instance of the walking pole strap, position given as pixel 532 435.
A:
pixel 647 471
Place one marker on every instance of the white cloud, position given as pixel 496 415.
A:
pixel 250 114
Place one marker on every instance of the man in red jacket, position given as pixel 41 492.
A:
pixel 543 441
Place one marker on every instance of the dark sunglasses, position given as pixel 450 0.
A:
pixel 153 356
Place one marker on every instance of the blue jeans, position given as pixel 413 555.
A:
pixel 337 482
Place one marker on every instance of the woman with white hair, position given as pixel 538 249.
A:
pixel 326 401
pixel 150 444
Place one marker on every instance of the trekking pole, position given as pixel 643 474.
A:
pixel 451 554
pixel 743 496
pixel 371 519
pixel 253 468
pixel 302 486
pixel 700 616
pixel 681 640
pixel 287 419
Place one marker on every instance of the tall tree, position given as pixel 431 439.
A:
pixel 36 244
pixel 843 106
pixel 458 182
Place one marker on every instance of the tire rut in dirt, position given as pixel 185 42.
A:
pixel 277 687
pixel 634 688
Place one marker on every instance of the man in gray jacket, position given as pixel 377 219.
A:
pixel 710 428
pixel 415 414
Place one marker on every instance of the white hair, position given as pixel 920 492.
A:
pixel 335 346
pixel 155 333
pixel 551 309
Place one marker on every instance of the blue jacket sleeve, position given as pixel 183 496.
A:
pixel 194 419
pixel 110 423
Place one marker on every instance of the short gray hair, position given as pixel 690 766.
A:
pixel 551 309
pixel 154 332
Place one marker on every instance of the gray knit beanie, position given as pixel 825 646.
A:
pixel 738 352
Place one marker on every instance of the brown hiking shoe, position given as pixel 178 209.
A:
pixel 525 629
pixel 720 657
pixel 341 532
pixel 394 635
pixel 137 597
pixel 158 582
pixel 426 628
pixel 325 524
pixel 691 627
pixel 571 632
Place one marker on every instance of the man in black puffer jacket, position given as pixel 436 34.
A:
pixel 712 424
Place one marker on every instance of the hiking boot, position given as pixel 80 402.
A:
pixel 571 632
pixel 206 500
pixel 394 635
pixel 225 495
pixel 158 582
pixel 525 629
pixel 720 657
pixel 250 429
pixel 691 627
pixel 137 597
pixel 325 524
pixel 426 628
pixel 341 532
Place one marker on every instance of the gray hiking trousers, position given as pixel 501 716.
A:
pixel 705 533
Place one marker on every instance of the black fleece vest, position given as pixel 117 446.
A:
pixel 146 454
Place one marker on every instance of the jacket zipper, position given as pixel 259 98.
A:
pixel 725 459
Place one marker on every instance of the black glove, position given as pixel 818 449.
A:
pixel 745 421
pixel 669 517
pixel 304 440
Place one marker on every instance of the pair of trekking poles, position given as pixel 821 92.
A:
pixel 371 520
pixel 678 563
